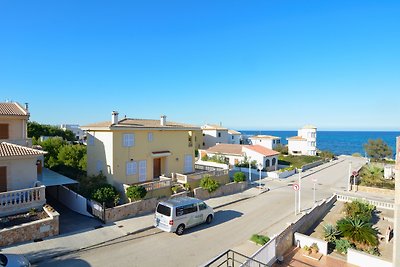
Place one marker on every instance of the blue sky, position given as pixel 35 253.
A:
pixel 247 64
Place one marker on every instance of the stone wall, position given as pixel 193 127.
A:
pixel 312 165
pixel 31 231
pixel 223 190
pixel 368 189
pixel 131 209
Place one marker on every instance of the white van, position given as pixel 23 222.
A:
pixel 177 214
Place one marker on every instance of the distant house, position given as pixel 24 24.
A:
pixel 267 141
pixel 131 151
pixel 234 154
pixel 75 128
pixel 216 134
pixel 305 143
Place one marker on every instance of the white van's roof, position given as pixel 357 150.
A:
pixel 179 201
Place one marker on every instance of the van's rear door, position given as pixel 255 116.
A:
pixel 163 216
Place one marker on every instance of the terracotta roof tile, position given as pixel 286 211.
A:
pixel 263 150
pixel 226 149
pixel 12 150
pixel 296 138
pixel 13 109
pixel 264 137
pixel 234 132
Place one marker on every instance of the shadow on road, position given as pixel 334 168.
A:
pixel 65 263
pixel 220 217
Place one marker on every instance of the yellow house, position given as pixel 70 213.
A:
pixel 130 151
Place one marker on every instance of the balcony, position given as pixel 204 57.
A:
pixel 21 142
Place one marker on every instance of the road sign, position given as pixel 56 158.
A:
pixel 296 187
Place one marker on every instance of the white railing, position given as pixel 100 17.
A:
pixel 21 142
pixel 184 178
pixel 377 203
pixel 18 201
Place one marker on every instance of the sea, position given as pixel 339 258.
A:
pixel 338 142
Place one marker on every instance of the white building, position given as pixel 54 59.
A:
pixel 216 134
pixel 235 154
pixel 78 132
pixel 305 143
pixel 234 137
pixel 267 141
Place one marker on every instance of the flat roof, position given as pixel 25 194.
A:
pixel 51 178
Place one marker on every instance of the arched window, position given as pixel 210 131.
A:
pixel 267 163
pixel 273 161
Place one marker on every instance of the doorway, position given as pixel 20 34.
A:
pixel 156 168
pixel 3 179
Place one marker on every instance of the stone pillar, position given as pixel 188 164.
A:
pixel 396 228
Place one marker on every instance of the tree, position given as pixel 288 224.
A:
pixel 358 231
pixel 282 149
pixel 52 146
pixel 135 192
pixel 73 156
pixel 107 194
pixel 36 130
pixel 377 149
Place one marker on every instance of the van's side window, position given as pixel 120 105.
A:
pixel 186 209
pixel 202 206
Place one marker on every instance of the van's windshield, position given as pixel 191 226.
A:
pixel 164 210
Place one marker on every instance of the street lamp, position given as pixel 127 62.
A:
pixel 260 168
pixel 300 190
pixel 349 179
pixel 249 168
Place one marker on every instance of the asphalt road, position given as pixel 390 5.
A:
pixel 232 226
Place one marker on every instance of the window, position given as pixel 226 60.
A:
pixel 90 140
pixel 142 171
pixel 4 131
pixel 186 209
pixel 131 168
pixel 232 137
pixel 129 140
pixel 150 137
pixel 219 134
pixel 278 141
pixel 267 163
pixel 202 206
pixel 204 144
pixel 164 210
pixel 273 161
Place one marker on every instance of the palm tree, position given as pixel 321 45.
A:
pixel 358 231
pixel 331 233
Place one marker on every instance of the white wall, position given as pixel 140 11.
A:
pixel 211 137
pixel 305 240
pixel 69 198
pixel 21 173
pixel 234 138
pixel 261 159
pixel 231 158
pixel 365 260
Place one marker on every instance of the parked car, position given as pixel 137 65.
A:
pixel 177 214
pixel 13 260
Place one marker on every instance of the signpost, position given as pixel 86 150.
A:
pixel 299 185
pixel 295 188
pixel 315 182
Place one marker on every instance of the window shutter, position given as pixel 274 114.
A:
pixel 4 131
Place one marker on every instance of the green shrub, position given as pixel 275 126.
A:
pixel 357 155
pixel 330 233
pixel 314 247
pixel 209 184
pixel 342 245
pixel 260 239
pixel 107 194
pixel 135 192
pixel 187 186
pixel 239 177
pixel 358 231
pixel 290 168
pixel 359 210
pixel 175 189
pixel 326 154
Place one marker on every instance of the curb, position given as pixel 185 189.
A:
pixel 41 259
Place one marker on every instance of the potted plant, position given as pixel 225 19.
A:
pixel 314 248
pixel 307 250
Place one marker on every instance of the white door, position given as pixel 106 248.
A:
pixel 142 171
pixel 188 164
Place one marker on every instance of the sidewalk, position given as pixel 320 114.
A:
pixel 64 244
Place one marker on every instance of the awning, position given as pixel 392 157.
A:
pixel 51 178
pixel 159 154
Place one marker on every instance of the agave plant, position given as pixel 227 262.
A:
pixel 358 231
pixel 330 233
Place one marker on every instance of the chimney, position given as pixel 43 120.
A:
pixel 163 120
pixel 114 117
pixel 26 106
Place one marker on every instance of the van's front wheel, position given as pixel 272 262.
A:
pixel 209 219
pixel 180 229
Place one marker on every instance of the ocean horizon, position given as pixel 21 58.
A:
pixel 339 142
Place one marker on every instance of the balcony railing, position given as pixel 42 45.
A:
pixel 21 142
pixel 185 178
pixel 18 201
pixel 232 258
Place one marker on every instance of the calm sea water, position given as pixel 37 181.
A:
pixel 340 143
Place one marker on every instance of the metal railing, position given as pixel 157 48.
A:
pixel 232 259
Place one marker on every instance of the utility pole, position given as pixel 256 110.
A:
pixel 300 190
